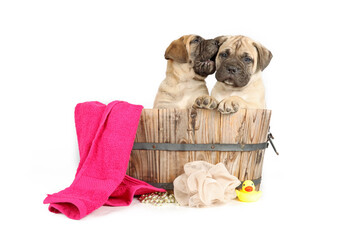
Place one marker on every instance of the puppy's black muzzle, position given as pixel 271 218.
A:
pixel 205 59
pixel 233 72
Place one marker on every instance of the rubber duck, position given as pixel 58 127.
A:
pixel 247 192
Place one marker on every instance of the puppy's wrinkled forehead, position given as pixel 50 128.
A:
pixel 239 45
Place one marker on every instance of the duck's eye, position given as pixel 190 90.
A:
pixel 244 184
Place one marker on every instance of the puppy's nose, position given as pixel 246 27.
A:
pixel 231 69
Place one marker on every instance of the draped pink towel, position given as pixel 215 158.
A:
pixel 106 134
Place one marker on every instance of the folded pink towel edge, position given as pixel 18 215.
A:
pixel 75 208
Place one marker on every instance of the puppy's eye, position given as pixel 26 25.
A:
pixel 247 59
pixel 196 40
pixel 223 55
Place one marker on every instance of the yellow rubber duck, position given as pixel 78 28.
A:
pixel 247 192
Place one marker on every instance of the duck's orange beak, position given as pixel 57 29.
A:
pixel 249 189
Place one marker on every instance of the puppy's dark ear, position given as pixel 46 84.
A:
pixel 221 39
pixel 177 51
pixel 264 56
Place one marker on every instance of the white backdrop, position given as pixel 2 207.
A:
pixel 55 54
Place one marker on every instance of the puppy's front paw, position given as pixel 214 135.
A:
pixel 206 102
pixel 230 105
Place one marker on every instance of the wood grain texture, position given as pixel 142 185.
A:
pixel 143 164
pixel 247 126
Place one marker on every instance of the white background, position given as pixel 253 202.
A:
pixel 55 54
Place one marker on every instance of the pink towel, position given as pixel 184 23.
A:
pixel 105 136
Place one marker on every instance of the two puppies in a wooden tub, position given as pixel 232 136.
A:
pixel 238 62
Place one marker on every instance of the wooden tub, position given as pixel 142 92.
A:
pixel 209 132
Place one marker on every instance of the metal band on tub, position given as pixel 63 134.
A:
pixel 219 147
pixel 200 147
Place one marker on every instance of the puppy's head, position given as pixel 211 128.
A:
pixel 194 50
pixel 238 59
